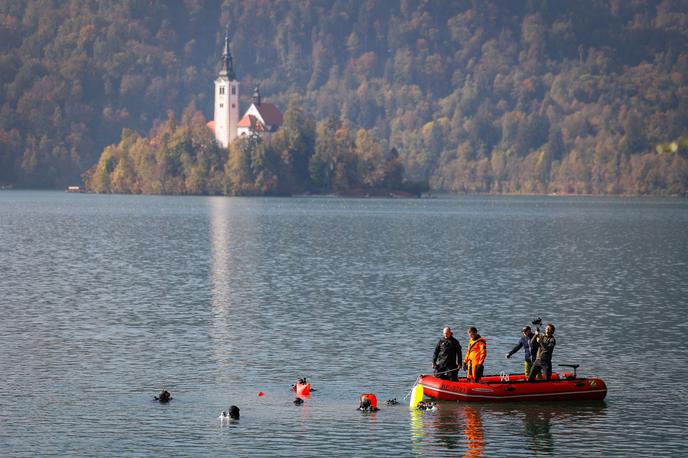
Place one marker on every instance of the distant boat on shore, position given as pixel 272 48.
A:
pixel 74 189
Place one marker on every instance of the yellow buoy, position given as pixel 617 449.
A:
pixel 416 396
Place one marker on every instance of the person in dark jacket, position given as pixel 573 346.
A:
pixel 446 360
pixel 543 362
pixel 529 348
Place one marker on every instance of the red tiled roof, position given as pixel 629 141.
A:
pixel 252 122
pixel 270 114
pixel 245 121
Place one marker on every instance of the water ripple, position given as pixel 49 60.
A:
pixel 108 299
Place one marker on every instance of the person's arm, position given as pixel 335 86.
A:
pixel 458 354
pixel 434 355
pixel 515 349
pixel 482 352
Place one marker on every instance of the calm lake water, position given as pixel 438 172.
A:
pixel 105 300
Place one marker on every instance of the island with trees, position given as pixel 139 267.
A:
pixel 524 96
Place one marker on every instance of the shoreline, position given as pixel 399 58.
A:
pixel 369 195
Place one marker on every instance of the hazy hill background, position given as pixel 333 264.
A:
pixel 491 96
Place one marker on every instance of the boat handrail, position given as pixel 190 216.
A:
pixel 573 366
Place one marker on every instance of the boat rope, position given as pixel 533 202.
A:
pixel 411 390
pixel 457 369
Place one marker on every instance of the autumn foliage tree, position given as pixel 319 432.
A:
pixel 519 96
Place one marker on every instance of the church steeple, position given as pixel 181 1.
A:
pixel 227 63
pixel 226 99
pixel 256 96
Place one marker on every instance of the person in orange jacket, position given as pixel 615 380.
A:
pixel 475 355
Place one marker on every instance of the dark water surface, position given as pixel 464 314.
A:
pixel 105 300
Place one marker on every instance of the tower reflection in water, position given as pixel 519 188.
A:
pixel 220 272
pixel 231 235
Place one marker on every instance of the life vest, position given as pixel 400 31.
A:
pixel 475 356
pixel 477 351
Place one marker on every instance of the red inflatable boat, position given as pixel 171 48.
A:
pixel 514 388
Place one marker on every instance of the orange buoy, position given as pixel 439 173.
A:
pixel 371 398
pixel 303 389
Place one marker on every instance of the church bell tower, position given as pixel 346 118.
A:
pixel 226 99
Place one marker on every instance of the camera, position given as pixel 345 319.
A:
pixel 537 321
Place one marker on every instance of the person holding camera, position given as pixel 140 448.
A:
pixel 530 349
pixel 543 362
pixel 446 360
pixel 475 355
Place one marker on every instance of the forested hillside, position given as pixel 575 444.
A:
pixel 473 96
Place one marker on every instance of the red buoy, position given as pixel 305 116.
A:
pixel 371 398
pixel 303 389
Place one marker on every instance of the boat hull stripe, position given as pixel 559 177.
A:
pixel 512 396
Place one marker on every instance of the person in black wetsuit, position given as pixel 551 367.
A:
pixel 446 360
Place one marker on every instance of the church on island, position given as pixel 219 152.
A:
pixel 261 118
